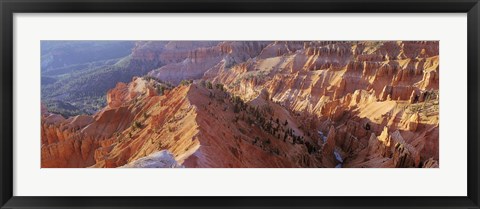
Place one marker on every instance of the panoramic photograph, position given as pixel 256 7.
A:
pixel 239 104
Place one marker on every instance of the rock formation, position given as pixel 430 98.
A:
pixel 262 104
pixel 161 159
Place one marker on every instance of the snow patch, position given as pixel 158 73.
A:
pixel 338 157
pixel 161 159
pixel 323 137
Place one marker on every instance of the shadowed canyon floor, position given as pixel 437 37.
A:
pixel 260 104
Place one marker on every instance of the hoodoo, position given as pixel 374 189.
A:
pixel 260 104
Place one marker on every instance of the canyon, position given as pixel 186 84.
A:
pixel 260 104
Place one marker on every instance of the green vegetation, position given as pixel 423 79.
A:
pixel 137 125
pixel 76 75
pixel 263 117
pixel 219 86
pixel 62 108
pixel 186 82
pixel 209 85
pixel 427 107
pixel 69 56
pixel 160 89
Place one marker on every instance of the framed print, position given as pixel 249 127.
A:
pixel 266 104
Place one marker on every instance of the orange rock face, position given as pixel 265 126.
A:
pixel 199 60
pixel 263 104
pixel 358 87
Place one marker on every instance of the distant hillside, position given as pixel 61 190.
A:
pixel 61 54
pixel 77 74
pixel 251 104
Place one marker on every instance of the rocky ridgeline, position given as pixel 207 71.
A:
pixel 200 125
pixel 198 60
pixel 263 104
pixel 352 84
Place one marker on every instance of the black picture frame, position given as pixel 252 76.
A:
pixel 9 7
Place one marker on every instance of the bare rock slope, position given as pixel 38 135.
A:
pixel 263 104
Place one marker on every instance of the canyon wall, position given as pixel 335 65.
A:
pixel 262 104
